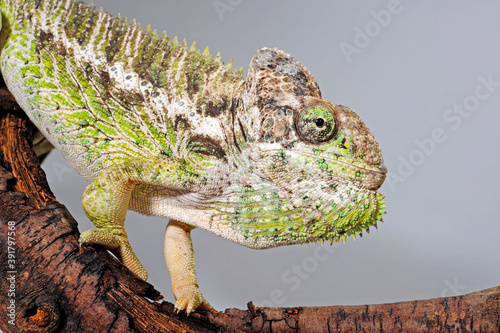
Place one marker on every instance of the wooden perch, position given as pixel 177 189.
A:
pixel 48 283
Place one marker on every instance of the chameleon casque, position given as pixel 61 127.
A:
pixel 164 129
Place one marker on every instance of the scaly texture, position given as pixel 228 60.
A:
pixel 167 130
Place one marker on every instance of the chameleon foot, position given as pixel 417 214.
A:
pixel 120 247
pixel 190 299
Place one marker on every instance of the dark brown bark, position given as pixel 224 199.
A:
pixel 58 286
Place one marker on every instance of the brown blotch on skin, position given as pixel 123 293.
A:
pixel 215 109
pixel 205 145
pixel 181 123
pixel 46 37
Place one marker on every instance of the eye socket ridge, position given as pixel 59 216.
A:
pixel 316 123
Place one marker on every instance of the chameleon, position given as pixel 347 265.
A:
pixel 165 129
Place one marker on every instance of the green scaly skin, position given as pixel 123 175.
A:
pixel 167 130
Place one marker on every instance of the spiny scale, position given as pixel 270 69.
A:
pixel 193 47
pixel 218 58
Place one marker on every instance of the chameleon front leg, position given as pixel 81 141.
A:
pixel 179 257
pixel 106 202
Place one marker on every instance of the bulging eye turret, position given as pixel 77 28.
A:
pixel 316 124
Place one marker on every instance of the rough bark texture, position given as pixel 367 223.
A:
pixel 50 284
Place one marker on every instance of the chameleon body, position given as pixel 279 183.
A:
pixel 165 129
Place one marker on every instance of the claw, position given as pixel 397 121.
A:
pixel 120 247
pixel 190 300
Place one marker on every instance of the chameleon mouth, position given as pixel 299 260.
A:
pixel 377 178
pixel 363 175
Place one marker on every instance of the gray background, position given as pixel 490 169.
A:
pixel 441 234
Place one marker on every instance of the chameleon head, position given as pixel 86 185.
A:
pixel 319 166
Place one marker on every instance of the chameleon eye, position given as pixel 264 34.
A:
pixel 316 124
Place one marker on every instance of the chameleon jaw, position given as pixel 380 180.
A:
pixel 329 222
